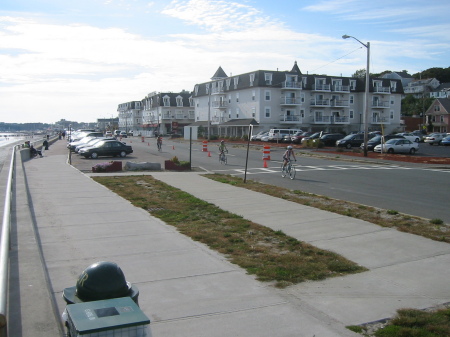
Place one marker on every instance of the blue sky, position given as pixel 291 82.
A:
pixel 78 60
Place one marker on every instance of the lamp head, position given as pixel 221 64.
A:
pixel 345 36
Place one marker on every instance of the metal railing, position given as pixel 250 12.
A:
pixel 4 248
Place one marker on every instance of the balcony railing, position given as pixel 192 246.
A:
pixel 219 104
pixel 331 120
pixel 341 88
pixel 321 87
pixel 167 116
pixel 379 104
pixel 219 120
pixel 380 120
pixel 339 103
pixel 290 118
pixel 320 102
pixel 291 101
pixel 385 90
pixel 291 85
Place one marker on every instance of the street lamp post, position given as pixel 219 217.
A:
pixel 366 100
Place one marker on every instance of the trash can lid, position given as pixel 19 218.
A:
pixel 100 281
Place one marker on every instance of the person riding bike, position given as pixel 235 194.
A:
pixel 222 148
pixel 287 156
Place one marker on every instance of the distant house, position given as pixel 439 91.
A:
pixel 421 88
pixel 442 91
pixel 438 115
pixel 400 75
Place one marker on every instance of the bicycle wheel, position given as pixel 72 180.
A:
pixel 225 159
pixel 283 171
pixel 292 172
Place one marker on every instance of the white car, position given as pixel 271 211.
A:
pixel 408 135
pixel 435 138
pixel 398 146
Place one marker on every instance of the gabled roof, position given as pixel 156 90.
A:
pixel 445 102
pixel 296 69
pixel 219 74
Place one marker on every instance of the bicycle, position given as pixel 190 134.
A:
pixel 223 157
pixel 289 169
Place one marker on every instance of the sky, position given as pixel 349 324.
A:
pixel 78 60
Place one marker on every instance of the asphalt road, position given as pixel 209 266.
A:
pixel 408 188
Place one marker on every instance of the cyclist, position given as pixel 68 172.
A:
pixel 159 142
pixel 222 148
pixel 287 156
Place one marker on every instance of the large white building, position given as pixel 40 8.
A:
pixel 290 99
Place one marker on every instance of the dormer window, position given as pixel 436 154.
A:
pixel 228 82
pixel 191 101
pixel 166 101
pixel 179 101
pixel 196 90
pixel 268 78
pixel 352 84
pixel 236 81
pixel 207 88
pixel 252 79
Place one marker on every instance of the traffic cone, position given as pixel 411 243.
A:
pixel 209 154
pixel 173 147
pixel 265 164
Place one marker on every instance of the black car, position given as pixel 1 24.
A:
pixel 352 140
pixel 109 148
pixel 377 141
pixel 330 139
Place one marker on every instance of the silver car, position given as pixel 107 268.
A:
pixel 398 146
pixel 435 138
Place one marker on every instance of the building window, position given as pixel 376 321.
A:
pixel 268 78
pixel 302 98
pixel 393 86
pixel 196 89
pixel 267 112
pixel 252 79
pixel 352 84
pixel 302 113
pixel 267 95
pixel 253 95
pixel 207 88
pixel 229 98
pixel 392 100
pixel 391 114
pixel 191 102
pixel 179 101
pixel 228 83
pixel 253 112
pixel 166 101
pixel 351 114
pixel 237 97
pixel 236 81
pixel 437 108
pixel 352 98
pixel 237 112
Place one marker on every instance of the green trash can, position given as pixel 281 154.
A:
pixel 107 318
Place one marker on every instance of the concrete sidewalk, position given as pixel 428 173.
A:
pixel 66 221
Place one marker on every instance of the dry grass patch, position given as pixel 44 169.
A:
pixel 270 255
pixel 432 229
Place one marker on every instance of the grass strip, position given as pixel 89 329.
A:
pixel 270 255
pixel 432 229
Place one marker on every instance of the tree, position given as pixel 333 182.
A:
pixel 361 73
pixel 441 74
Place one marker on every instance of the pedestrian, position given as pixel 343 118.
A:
pixel 45 144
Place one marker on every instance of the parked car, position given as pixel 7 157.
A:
pixel 398 146
pixel 330 139
pixel 92 142
pixel 412 137
pixel 445 141
pixel 109 148
pixel 377 140
pixel 419 134
pixel 435 138
pixel 117 132
pixel 123 134
pixel 313 136
pixel 72 145
pixel 259 135
pixel 352 140
pixel 108 134
pixel 297 138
